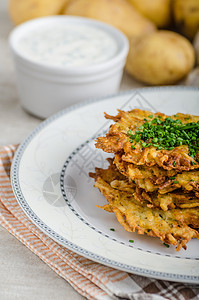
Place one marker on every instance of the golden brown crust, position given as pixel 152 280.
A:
pixel 150 190
pixel 117 140
pixel 176 199
pixel 170 226
pixel 158 179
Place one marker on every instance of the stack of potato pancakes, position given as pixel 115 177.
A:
pixel 152 183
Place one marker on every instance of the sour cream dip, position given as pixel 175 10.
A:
pixel 68 45
pixel 63 60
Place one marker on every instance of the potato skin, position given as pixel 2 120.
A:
pixel 196 47
pixel 161 58
pixel 193 77
pixel 24 10
pixel 158 11
pixel 186 16
pixel 118 13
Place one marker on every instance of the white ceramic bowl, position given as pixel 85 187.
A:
pixel 45 88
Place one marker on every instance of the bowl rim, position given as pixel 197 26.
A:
pixel 120 55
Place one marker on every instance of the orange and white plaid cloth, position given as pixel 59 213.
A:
pixel 92 280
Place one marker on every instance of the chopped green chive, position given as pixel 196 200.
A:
pixel 176 182
pixel 144 144
pixel 167 134
pixel 174 163
pixel 166 245
pixel 192 180
pixel 131 241
pixel 193 163
pixel 173 177
pixel 137 138
pixel 112 229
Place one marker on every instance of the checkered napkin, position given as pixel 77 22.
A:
pixel 92 280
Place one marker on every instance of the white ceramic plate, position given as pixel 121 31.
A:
pixel 63 147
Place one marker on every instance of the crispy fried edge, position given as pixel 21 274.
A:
pixel 179 235
pixel 117 140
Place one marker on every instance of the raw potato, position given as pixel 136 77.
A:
pixel 118 13
pixel 24 10
pixel 196 46
pixel 161 58
pixel 158 11
pixel 193 78
pixel 186 16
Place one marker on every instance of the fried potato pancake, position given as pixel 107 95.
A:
pixel 172 227
pixel 168 201
pixel 177 199
pixel 158 179
pixel 118 140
